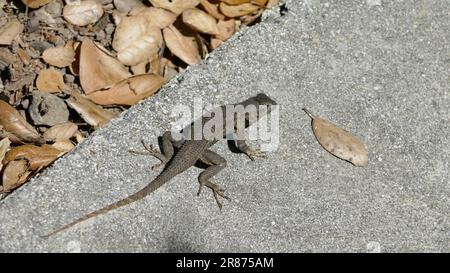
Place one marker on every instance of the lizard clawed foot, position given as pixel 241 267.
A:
pixel 253 154
pixel 217 191
pixel 150 150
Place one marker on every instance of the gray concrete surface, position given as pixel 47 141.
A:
pixel 380 69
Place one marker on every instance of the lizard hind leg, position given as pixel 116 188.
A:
pixel 216 164
pixel 249 151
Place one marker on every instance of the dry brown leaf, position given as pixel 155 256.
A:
pixel 6 56
pixel 157 17
pixel 4 146
pixel 83 13
pixel 203 47
pixel 98 69
pixel 212 9
pixel 226 29
pixel 129 91
pixel 250 18
pixel 62 131
pixel 92 113
pixel 235 2
pixel 63 145
pixel 34 4
pixel 238 10
pixel 10 31
pixel 183 47
pixel 215 43
pixel 339 142
pixel 50 80
pixel 60 56
pixel 36 156
pixel 175 6
pixel 74 67
pixel 17 128
pixel 125 6
pixel 200 21
pixel 23 55
pixel 15 174
pixel 138 37
pixel 167 69
pixel 141 68
pixel 272 3
pixel 260 3
pixel 135 41
pixel 79 137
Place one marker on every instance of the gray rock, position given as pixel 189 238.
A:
pixel 47 109
pixel 54 8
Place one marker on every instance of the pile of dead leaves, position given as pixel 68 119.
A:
pixel 67 68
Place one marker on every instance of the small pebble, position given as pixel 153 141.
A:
pixel 54 8
pixel 68 78
pixel 100 35
pixel 110 29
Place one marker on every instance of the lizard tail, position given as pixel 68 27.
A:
pixel 155 184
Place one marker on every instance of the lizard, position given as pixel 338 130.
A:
pixel 178 155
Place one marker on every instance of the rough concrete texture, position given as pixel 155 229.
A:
pixel 379 69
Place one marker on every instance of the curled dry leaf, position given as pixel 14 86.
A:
pixel 126 5
pixel 129 91
pixel 157 17
pixel 213 9
pixel 141 68
pixel 338 141
pixel 215 43
pixel 10 31
pixel 261 3
pixel 60 56
pixel 185 48
pixel 92 113
pixel 83 13
pixel 175 6
pixel 226 29
pixel 50 80
pixel 138 37
pixel 15 174
pixel 236 2
pixel 238 10
pixel 79 137
pixel 98 69
pixel 74 67
pixel 34 4
pixel 60 132
pixel 272 3
pixel 63 145
pixel 4 146
pixel 23 55
pixel 6 56
pixel 200 21
pixel 250 18
pixel 138 42
pixel 36 156
pixel 16 127
pixel 167 69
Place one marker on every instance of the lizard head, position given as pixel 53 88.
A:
pixel 260 99
pixel 263 99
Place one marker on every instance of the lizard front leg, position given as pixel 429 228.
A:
pixel 216 164
pixel 168 146
pixel 249 151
